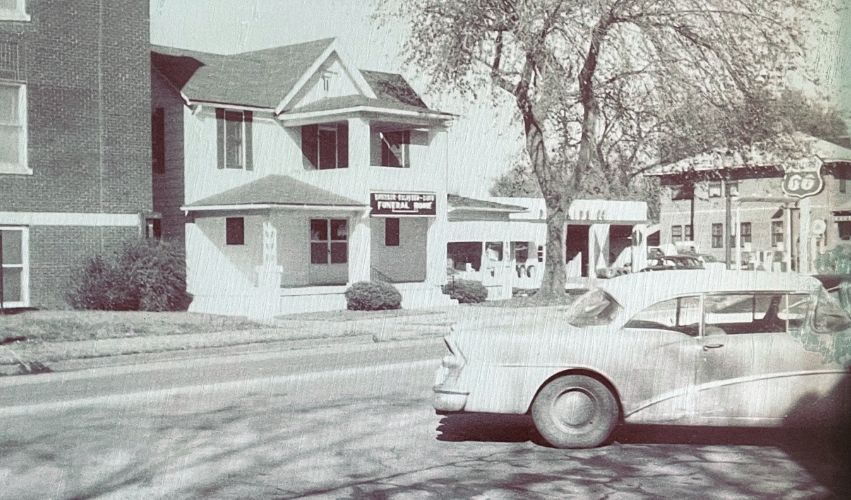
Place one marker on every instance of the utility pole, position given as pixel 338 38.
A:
pixel 728 222
pixel 2 298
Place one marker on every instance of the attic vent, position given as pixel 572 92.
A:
pixel 10 61
pixel 327 77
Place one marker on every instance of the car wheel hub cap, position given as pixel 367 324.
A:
pixel 574 408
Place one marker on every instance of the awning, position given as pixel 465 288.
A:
pixel 457 203
pixel 274 191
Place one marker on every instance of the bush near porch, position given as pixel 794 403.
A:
pixel 836 261
pixel 145 275
pixel 466 291
pixel 373 296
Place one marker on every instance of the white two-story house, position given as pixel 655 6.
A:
pixel 288 175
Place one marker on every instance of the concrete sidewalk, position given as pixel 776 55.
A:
pixel 283 334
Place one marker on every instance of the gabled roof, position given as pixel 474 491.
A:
pixel 463 203
pixel 274 191
pixel 260 78
pixel 270 78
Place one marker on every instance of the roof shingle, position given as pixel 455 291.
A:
pixel 276 190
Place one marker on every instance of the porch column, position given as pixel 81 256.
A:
pixel 598 248
pixel 359 143
pixel 360 247
pixel 639 247
pixel 269 272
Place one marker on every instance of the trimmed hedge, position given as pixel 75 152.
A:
pixel 373 296
pixel 144 275
pixel 466 291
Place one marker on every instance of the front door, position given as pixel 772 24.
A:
pixel 329 251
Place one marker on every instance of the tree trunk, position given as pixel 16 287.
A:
pixel 553 282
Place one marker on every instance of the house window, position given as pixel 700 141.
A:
pixel 391 232
pixel 714 189
pixel 158 141
pixel 14 266
pixel 733 188
pixel 328 241
pixel 465 253
pixel 745 230
pixel 395 148
pixel 494 251
pixel 844 228
pixel 688 232
pixel 776 232
pixel 235 231
pixel 682 192
pixel 717 235
pixel 540 253
pixel 13 128
pixel 13 10
pixel 234 139
pixel 325 146
pixel 676 233
pixel 153 229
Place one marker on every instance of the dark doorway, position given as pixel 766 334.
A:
pixel 620 238
pixel 576 241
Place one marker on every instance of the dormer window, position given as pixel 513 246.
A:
pixel 395 148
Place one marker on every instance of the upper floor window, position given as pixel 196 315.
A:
pixel 325 146
pixel 158 141
pixel 234 139
pixel 714 189
pixel 776 232
pixel 676 233
pixel 13 128
pixel 13 10
pixel 14 266
pixel 717 235
pixel 746 232
pixel 395 148
pixel 733 188
pixel 682 192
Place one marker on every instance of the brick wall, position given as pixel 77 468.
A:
pixel 56 250
pixel 88 91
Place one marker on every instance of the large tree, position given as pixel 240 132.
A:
pixel 595 81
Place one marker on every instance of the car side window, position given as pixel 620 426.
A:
pixel 739 313
pixel 794 310
pixel 679 315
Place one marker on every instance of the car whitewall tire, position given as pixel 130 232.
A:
pixel 575 411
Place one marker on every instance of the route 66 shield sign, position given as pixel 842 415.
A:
pixel 803 177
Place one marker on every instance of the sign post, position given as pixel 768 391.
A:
pixel 802 180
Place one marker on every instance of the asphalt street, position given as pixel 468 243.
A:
pixel 354 422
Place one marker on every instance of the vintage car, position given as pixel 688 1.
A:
pixel 725 348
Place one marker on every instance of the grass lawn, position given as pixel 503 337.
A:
pixel 61 326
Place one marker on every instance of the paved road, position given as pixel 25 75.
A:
pixel 356 423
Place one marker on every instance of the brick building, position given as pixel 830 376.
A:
pixel 693 211
pixel 75 150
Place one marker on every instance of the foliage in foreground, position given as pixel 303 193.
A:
pixel 144 275
pixel 466 291
pixel 836 261
pixel 373 296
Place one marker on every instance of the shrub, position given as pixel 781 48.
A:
pixel 836 261
pixel 373 296
pixel 466 291
pixel 144 275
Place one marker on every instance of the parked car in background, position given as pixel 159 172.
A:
pixel 673 262
pixel 671 347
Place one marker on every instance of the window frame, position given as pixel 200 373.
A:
pixel 676 233
pixel 404 146
pixel 24 266
pixel 329 240
pixel 235 224
pixel 714 189
pixel 22 165
pixel 392 231
pixel 746 236
pixel 227 127
pixel 753 294
pixel 19 13
pixel 775 225
pixel 717 237
pixel 677 328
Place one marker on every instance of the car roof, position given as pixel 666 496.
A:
pixel 637 291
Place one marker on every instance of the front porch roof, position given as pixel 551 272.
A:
pixel 274 191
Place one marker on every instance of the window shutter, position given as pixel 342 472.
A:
pixel 220 137
pixel 158 140
pixel 309 145
pixel 342 145
pixel 406 138
pixel 248 116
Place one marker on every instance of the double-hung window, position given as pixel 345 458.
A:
pixel 717 235
pixel 676 233
pixel 14 266
pixel 234 139
pixel 328 241
pixel 776 232
pixel 746 232
pixel 13 128
pixel 13 10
